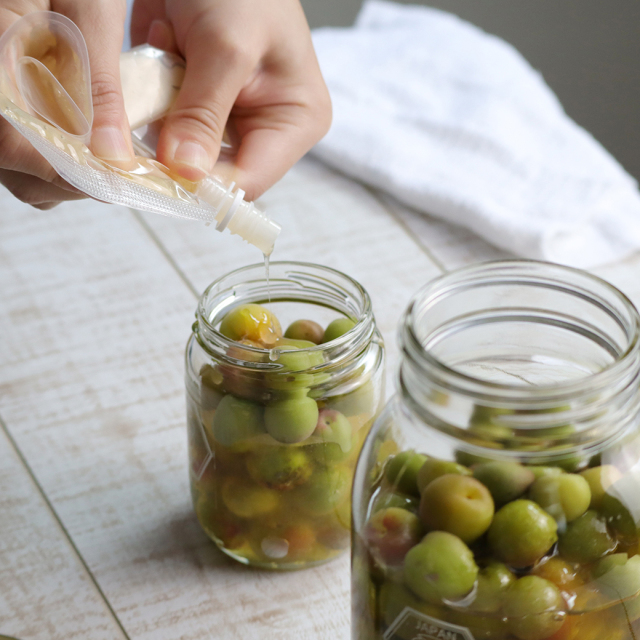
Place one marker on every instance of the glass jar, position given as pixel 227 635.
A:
pixel 497 496
pixel 276 426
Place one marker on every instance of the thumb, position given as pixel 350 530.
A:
pixel 102 25
pixel 216 72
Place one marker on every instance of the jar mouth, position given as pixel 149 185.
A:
pixel 289 281
pixel 613 307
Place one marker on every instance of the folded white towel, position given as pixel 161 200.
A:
pixel 454 122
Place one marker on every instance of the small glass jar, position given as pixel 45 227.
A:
pixel 497 496
pixel 274 433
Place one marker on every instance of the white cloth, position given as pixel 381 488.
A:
pixel 454 122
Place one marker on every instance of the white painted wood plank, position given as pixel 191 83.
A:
pixel 45 591
pixel 328 219
pixel 94 322
pixel 449 245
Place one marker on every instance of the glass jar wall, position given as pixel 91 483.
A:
pixel 275 423
pixel 497 497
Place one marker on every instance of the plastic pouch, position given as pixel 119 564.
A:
pixel 45 93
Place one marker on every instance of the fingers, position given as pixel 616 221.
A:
pixel 217 69
pixel 35 191
pixel 18 156
pixel 102 25
pixel 143 14
pixel 161 36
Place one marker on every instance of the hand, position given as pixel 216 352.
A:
pixel 250 66
pixel 25 173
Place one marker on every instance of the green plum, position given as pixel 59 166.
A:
pixel 248 500
pixel 326 491
pixel 534 608
pixel 608 563
pixel 440 567
pixel 291 420
pixel 586 539
pixel 390 533
pixel 565 497
pixel 279 468
pixel 237 420
pixel 393 600
pixel 458 504
pixel 540 471
pixel 210 389
pixel 521 533
pixel 337 328
pixel 506 481
pixel 305 330
pixel 619 518
pixel 493 581
pixel 333 427
pixel 600 479
pixel 401 471
pixel 251 322
pixel 618 578
pixel 434 468
pixel 402 501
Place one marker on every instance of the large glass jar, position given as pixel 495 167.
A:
pixel 497 496
pixel 276 425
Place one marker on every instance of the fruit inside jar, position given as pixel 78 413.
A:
pixel 275 429
pixel 497 549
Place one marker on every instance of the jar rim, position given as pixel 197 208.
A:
pixel 339 283
pixel 413 347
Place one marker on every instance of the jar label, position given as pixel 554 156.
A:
pixel 411 625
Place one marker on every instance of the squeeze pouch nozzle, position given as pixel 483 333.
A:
pixel 45 93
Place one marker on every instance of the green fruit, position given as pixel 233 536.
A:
pixel 279 468
pixel 305 330
pixel 541 472
pixel 521 533
pixel 236 420
pixel 565 497
pixel 337 328
pixel 384 500
pixel 586 539
pixel 326 490
pixel 434 468
pixel 440 567
pixel 401 471
pixel 292 420
pixel 608 563
pixel 506 481
pixel 458 504
pixel 618 578
pixel 248 501
pixel 600 479
pixel 619 518
pixel 393 600
pixel 327 453
pixel 334 427
pixel 534 608
pixel 293 355
pixel 390 533
pixel 251 322
pixel 493 581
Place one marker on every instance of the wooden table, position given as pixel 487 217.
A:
pixel 97 537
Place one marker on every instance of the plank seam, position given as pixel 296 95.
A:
pixel 67 535
pixel 382 200
pixel 165 252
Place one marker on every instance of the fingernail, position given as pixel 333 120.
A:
pixel 109 144
pixel 194 161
